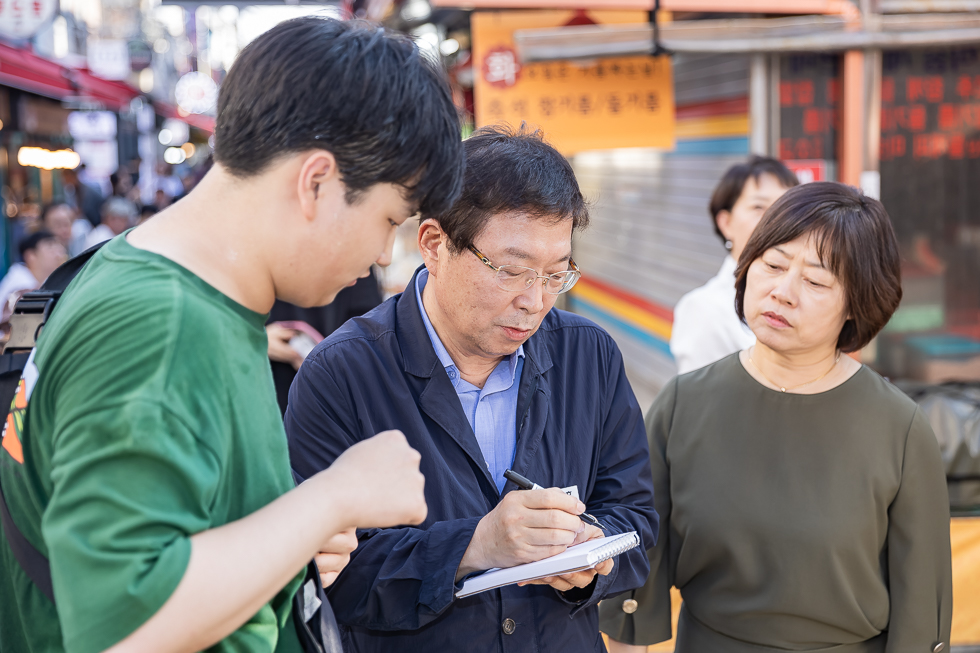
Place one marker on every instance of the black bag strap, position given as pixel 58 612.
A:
pixel 30 314
pixel 32 561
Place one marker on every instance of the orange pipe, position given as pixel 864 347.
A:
pixel 852 132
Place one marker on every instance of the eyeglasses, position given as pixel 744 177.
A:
pixel 515 278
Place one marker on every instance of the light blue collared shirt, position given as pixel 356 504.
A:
pixel 492 411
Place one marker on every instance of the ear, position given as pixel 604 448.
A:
pixel 319 179
pixel 724 222
pixel 431 237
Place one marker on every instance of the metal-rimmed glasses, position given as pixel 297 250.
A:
pixel 516 278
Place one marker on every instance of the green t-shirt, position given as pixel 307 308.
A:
pixel 153 417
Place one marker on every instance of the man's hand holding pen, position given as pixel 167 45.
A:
pixel 524 527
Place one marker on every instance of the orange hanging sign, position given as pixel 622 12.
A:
pixel 598 104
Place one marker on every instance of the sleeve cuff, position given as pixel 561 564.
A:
pixel 447 542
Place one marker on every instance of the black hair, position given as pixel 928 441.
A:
pixel 732 183
pixel 48 208
pixel 855 241
pixel 30 242
pixel 365 94
pixel 508 170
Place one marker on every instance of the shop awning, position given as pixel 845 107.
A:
pixel 202 122
pixel 30 72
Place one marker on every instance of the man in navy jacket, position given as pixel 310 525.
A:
pixel 482 374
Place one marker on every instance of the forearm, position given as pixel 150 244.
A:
pixel 236 568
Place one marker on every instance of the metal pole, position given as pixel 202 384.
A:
pixel 759 105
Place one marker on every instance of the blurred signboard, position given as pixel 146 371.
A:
pixel 109 58
pixel 807 170
pixel 600 104
pixel 809 106
pixel 21 19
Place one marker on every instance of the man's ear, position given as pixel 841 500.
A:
pixel 724 222
pixel 431 236
pixel 318 177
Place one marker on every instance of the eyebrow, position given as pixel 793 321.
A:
pixel 524 256
pixel 811 264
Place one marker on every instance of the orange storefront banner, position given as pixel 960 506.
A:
pixel 593 105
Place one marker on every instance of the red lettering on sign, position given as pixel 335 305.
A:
pixel 913 89
pixel 929 146
pixel 973 148
pixel 888 89
pixel 917 117
pixel 892 147
pixel 957 144
pixel 817 121
pixel 933 88
pixel 964 87
pixel 949 116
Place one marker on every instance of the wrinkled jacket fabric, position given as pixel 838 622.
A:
pixel 578 424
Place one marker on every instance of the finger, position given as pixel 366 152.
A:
pixel 579 578
pixel 588 533
pixel 326 580
pixel 551 537
pixel 604 567
pixel 327 562
pixel 560 583
pixel 550 519
pixel 551 499
pixel 343 542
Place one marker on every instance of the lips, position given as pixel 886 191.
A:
pixel 776 320
pixel 516 334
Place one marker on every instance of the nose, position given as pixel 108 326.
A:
pixel 385 259
pixel 785 290
pixel 531 300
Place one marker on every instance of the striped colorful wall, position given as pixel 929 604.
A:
pixel 651 238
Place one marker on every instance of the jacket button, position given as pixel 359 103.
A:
pixel 630 606
pixel 509 626
pixel 938 647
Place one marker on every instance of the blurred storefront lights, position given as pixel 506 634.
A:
pixel 38 157
pixel 174 155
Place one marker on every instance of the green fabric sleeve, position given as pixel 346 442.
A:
pixel 919 559
pixel 131 484
pixel 651 623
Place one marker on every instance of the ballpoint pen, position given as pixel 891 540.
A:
pixel 526 484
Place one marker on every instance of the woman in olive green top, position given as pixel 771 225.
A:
pixel 802 497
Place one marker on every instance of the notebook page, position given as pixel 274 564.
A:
pixel 575 558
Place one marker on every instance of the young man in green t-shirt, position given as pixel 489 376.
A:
pixel 147 459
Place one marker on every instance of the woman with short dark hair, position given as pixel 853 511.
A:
pixel 802 497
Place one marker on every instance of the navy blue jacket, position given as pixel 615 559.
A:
pixel 578 424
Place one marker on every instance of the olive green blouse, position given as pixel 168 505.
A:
pixel 787 521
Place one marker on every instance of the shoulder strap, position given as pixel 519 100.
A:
pixel 32 561
pixel 30 314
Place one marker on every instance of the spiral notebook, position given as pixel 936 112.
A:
pixel 575 558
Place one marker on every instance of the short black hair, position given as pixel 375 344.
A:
pixel 732 183
pixel 30 242
pixel 365 94
pixel 854 239
pixel 48 208
pixel 511 170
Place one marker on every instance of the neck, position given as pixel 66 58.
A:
pixel 221 233
pixel 787 370
pixel 473 367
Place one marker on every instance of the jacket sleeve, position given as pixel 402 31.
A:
pixel 622 495
pixel 919 562
pixel 397 578
pixel 651 622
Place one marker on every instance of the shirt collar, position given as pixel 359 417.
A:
pixel 441 352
